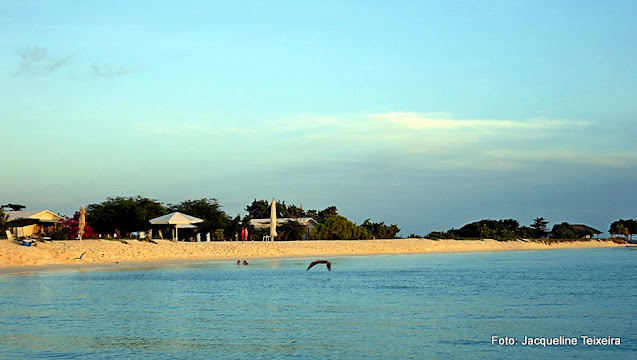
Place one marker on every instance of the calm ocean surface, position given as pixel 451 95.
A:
pixel 407 306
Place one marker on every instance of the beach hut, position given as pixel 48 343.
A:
pixel 179 220
pixel 585 231
pixel 32 223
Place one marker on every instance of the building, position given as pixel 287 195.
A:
pixel 32 223
pixel 585 231
pixel 307 223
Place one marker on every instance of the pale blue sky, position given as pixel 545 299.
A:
pixel 424 114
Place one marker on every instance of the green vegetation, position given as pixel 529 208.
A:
pixel 510 229
pixel 210 212
pixel 337 227
pixel 563 231
pixel 3 223
pixel 123 215
pixel 331 225
pixel 380 230
pixel 12 207
pixel 622 227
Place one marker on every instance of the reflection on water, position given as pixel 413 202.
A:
pixel 418 306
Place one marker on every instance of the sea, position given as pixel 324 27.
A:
pixel 424 306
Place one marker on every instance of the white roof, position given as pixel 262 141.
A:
pixel 176 218
pixel 264 223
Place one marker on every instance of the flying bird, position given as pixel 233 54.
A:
pixel 80 258
pixel 329 265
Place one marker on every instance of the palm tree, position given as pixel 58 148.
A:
pixel 623 230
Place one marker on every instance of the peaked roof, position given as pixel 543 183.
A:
pixel 581 227
pixel 32 215
pixel 175 218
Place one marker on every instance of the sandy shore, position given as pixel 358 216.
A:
pixel 108 252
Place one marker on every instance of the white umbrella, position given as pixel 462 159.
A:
pixel 178 219
pixel 273 233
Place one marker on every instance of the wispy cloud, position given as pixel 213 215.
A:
pixel 37 61
pixel 189 130
pixel 418 121
pixel 445 141
pixel 571 156
pixel 433 140
pixel 110 71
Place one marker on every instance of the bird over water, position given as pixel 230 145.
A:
pixel 329 265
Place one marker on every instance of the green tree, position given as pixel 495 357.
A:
pixel 337 227
pixel 210 212
pixel 123 214
pixel 259 209
pixel 563 231
pixel 625 227
pixel 526 232
pixel 13 207
pixel 380 230
pixel 539 227
pixel 290 230
pixel 3 222
pixel 327 212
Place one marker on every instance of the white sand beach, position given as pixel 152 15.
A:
pixel 105 252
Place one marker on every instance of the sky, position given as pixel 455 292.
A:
pixel 424 114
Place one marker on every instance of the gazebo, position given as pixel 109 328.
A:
pixel 181 221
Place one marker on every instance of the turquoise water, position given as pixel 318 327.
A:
pixel 407 306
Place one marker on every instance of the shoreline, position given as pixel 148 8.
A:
pixel 106 254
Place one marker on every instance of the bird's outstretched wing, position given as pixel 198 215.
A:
pixel 312 264
pixel 80 258
pixel 329 266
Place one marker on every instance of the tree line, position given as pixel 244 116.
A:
pixel 509 229
pixel 124 216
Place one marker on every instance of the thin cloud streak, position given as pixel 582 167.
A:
pixel 417 121
pixel 110 71
pixel 441 142
pixel 36 61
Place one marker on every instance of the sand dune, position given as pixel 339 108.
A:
pixel 104 252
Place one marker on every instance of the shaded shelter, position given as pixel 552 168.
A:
pixel 179 220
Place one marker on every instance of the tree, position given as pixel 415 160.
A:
pixel 210 212
pixel 563 231
pixel 337 227
pixel 327 212
pixel 539 227
pixel 625 227
pixel 13 207
pixel 487 229
pixel 123 214
pixel 259 209
pixel 3 221
pixel 290 230
pixel 380 230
